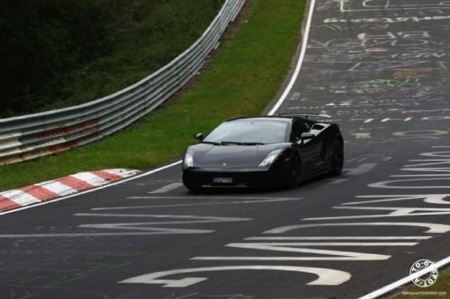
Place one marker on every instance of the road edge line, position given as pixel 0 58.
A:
pixel 405 280
pixel 150 172
pixel 298 67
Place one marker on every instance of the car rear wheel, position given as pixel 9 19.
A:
pixel 337 160
pixel 294 172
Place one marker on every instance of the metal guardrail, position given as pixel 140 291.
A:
pixel 36 135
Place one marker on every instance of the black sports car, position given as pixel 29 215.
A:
pixel 263 151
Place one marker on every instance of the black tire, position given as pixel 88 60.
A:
pixel 337 159
pixel 294 172
pixel 194 189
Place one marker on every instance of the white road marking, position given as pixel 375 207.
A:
pixel 438 199
pixel 408 279
pixel 419 175
pixel 350 256
pixel 336 181
pixel 362 135
pixel 433 228
pixel 199 204
pixel 326 238
pixel 337 244
pixel 137 228
pixel 167 188
pixel 326 276
pixel 93 190
pixel 149 231
pixel 298 67
pixel 180 219
pixel 396 212
pixel 330 255
pixel 413 184
pixel 361 169
pixel 253 198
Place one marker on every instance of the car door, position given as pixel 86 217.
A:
pixel 309 150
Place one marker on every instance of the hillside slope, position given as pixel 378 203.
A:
pixel 61 53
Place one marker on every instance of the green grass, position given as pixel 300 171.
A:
pixel 241 79
pixel 439 290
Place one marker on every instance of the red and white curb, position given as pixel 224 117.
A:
pixel 49 190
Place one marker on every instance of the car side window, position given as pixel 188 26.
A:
pixel 299 127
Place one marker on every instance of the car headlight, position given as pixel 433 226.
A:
pixel 270 158
pixel 188 160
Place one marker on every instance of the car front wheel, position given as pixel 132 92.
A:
pixel 294 172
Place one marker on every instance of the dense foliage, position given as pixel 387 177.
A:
pixel 57 53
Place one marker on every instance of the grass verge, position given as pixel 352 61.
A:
pixel 241 79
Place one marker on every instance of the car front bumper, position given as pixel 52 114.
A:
pixel 258 177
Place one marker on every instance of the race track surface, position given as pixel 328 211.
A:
pixel 380 68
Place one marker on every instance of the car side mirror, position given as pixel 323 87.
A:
pixel 306 136
pixel 199 136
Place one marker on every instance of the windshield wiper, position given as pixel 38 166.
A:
pixel 211 142
pixel 240 143
pixel 252 143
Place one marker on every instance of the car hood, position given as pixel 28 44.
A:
pixel 231 156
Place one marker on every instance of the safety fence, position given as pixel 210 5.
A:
pixel 36 135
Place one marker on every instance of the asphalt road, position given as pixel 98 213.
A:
pixel 380 68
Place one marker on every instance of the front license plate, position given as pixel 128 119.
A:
pixel 222 180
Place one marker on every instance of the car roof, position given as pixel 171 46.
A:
pixel 308 117
pixel 265 117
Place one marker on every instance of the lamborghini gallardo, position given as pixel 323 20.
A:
pixel 263 151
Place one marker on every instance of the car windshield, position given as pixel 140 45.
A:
pixel 250 132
